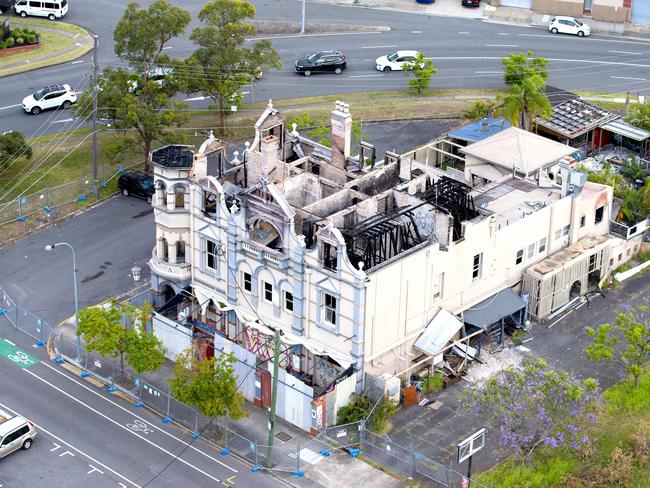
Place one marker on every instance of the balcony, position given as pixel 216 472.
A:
pixel 162 268
pixel 264 253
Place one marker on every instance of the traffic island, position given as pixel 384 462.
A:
pixel 60 42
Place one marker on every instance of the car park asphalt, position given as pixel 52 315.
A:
pixel 466 52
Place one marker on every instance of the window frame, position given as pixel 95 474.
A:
pixel 519 257
pixel 600 210
pixel 541 245
pixel 332 308
pixel 530 251
pixel 287 298
pixel 477 266
pixel 212 255
pixel 247 281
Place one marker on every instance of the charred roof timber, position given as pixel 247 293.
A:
pixel 173 156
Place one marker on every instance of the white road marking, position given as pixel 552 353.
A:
pixel 488 72
pixel 627 78
pixel 559 60
pixel 314 35
pixel 370 60
pixel 10 106
pixel 56 446
pixel 9 342
pixel 625 52
pixel 364 76
pixel 591 39
pixel 167 47
pixel 245 93
pixel 94 469
pixel 77 62
pixel 377 47
pixel 463 32
pixel 195 99
pixel 78 450
pixel 171 454
pixel 502 45
pixel 62 121
pixel 66 452
pixel 78 44
pixel 504 33
pixel 416 32
pixel 136 416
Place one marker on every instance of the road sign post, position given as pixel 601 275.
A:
pixel 467 448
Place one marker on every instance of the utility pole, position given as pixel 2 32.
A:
pixel 302 25
pixel 95 90
pixel 274 397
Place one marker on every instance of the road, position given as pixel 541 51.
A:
pixel 466 52
pixel 88 437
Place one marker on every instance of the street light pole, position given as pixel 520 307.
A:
pixel 95 90
pixel 51 247
pixel 302 25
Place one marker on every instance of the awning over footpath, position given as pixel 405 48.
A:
pixel 442 329
pixel 493 309
pixel 626 130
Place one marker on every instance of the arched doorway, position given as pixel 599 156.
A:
pixel 576 289
pixel 166 294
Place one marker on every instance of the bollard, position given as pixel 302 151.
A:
pixel 297 458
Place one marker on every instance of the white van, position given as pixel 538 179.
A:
pixel 54 9
pixel 15 433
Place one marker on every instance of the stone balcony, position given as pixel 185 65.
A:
pixel 172 271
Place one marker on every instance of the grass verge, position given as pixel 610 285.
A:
pixel 619 456
pixel 56 47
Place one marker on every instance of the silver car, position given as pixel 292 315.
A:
pixel 15 433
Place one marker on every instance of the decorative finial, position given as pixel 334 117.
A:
pixel 270 105
pixel 294 131
pixel 234 208
pixel 361 265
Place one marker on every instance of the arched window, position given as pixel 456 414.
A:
pixel 161 193
pixel 179 197
pixel 180 251
pixel 265 233
pixel 163 250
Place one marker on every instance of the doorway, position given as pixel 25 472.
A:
pixel 576 289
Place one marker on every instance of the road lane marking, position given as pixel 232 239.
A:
pixel 559 60
pixel 626 52
pixel 10 106
pixel 7 340
pixel 627 78
pixel 592 39
pixel 62 121
pixel 463 32
pixel 78 450
pixel 504 33
pixel 56 446
pixel 488 72
pixel 377 47
pixel 94 469
pixel 195 99
pixel 416 32
pixel 66 452
pixel 167 48
pixel 502 45
pixel 314 35
pixel 77 62
pixel 364 76
pixel 178 439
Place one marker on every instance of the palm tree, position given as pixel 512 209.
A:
pixel 525 101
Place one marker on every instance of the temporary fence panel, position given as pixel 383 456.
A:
pixel 388 453
pixel 155 398
pixel 244 365
pixel 294 400
pixel 432 470
pixel 175 338
pixel 184 414
pixel 343 436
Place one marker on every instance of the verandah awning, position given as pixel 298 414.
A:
pixel 440 330
pixel 626 130
pixel 493 309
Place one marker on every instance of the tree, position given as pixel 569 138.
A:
pixel 210 386
pixel 626 342
pixel 129 98
pixel 222 65
pixel 519 67
pixel 605 176
pixel 480 109
pixel 640 115
pixel 422 69
pixel 524 102
pixel 113 331
pixel 13 145
pixel 360 406
pixel 533 404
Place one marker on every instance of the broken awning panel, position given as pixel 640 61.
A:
pixel 493 309
pixel 626 130
pixel 205 296
pixel 442 329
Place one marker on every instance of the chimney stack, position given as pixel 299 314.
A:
pixel 341 134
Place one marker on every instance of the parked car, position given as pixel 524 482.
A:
pixel 568 25
pixel 425 1
pixel 470 3
pixel 6 5
pixel 136 183
pixel 54 9
pixel 53 96
pixel 395 61
pixel 157 75
pixel 15 433
pixel 322 62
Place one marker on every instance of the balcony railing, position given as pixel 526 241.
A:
pixel 164 268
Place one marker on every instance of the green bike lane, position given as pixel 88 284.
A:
pixel 95 438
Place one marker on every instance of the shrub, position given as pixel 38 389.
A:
pixel 433 383
pixel 9 42
pixel 31 39
pixel 360 406
pixel 643 256
pixel 20 40
pixel 518 336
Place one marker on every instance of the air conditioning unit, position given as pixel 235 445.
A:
pixel 392 387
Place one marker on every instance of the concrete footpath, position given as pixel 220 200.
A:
pixel 337 470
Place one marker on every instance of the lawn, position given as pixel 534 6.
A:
pixel 620 455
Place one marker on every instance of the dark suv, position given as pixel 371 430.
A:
pixel 136 183
pixel 322 61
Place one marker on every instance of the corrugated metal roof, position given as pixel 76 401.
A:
pixel 438 333
pixel 479 130
pixel 626 130
pixel 572 118
pixel 491 310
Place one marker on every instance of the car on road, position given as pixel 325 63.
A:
pixel 52 96
pixel 568 25
pixel 15 433
pixel 395 61
pixel 54 9
pixel 322 62
pixel 136 183
pixel 470 3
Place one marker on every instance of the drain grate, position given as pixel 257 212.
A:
pixel 283 436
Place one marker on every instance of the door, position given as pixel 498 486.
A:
pixel 52 100
pixel 34 8
pixel 321 64
pixel 10 443
pixel 517 3
pixel 587 5
pixel 266 388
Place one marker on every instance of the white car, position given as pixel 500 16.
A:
pixel 395 61
pixel 568 25
pixel 53 96
pixel 52 9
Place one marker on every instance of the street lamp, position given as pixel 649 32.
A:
pixel 50 247
pixel 136 272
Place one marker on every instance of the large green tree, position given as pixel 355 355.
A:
pixel 518 67
pixel 13 145
pixel 525 101
pixel 626 342
pixel 210 386
pixel 222 64
pixel 128 97
pixel 119 332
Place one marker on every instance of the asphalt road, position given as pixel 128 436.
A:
pixel 88 437
pixel 466 52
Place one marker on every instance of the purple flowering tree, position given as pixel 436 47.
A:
pixel 533 404
pixel 625 342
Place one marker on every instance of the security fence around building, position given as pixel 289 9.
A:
pixel 295 458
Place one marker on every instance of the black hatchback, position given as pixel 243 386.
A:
pixel 322 62
pixel 136 183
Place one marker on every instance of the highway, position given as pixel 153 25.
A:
pixel 466 52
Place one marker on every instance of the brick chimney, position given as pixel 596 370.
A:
pixel 341 134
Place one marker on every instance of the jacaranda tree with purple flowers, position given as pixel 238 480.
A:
pixel 533 404
pixel 632 329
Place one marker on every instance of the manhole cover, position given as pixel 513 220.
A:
pixel 283 436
